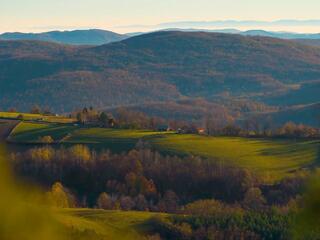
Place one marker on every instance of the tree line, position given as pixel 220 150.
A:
pixel 143 179
pixel 218 124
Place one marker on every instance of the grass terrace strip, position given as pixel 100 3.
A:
pixel 101 224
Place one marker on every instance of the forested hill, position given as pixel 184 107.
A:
pixel 159 66
pixel 76 37
pixel 310 42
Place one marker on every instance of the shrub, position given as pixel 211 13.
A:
pixel 46 140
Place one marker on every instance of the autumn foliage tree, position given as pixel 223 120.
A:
pixel 104 201
pixel 60 197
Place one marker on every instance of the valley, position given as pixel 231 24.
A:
pixel 163 135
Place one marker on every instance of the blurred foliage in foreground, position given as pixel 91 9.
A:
pixel 308 222
pixel 26 214
pixel 23 213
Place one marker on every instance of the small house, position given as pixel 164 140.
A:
pixel 201 131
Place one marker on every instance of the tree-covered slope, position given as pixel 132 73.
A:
pixel 76 37
pixel 159 66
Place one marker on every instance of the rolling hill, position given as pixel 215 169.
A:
pixel 271 158
pixel 76 37
pixel 257 32
pixel 282 35
pixel 305 114
pixel 191 110
pixel 309 42
pixel 160 66
pixel 303 94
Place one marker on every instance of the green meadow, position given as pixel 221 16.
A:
pixel 29 132
pixel 271 158
pixel 99 224
pixel 35 117
pixel 103 135
pixel 13 115
pixel 117 140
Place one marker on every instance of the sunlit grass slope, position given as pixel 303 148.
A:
pixel 13 115
pixel 115 139
pixel 28 132
pixel 92 224
pixel 30 117
pixel 271 158
pixel 102 135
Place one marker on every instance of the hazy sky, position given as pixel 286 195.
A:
pixel 42 15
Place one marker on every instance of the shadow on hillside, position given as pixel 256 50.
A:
pixel 318 155
pixel 57 132
pixel 6 127
pixel 288 149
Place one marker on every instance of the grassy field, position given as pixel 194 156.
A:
pixel 27 132
pixel 109 225
pixel 100 135
pixel 272 159
pixel 32 117
pixel 116 139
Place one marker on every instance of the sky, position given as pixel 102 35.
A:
pixel 143 15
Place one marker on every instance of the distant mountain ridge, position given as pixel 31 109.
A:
pixel 101 37
pixel 309 42
pixel 262 33
pixel 282 35
pixel 302 38
pixel 238 23
pixel 76 37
